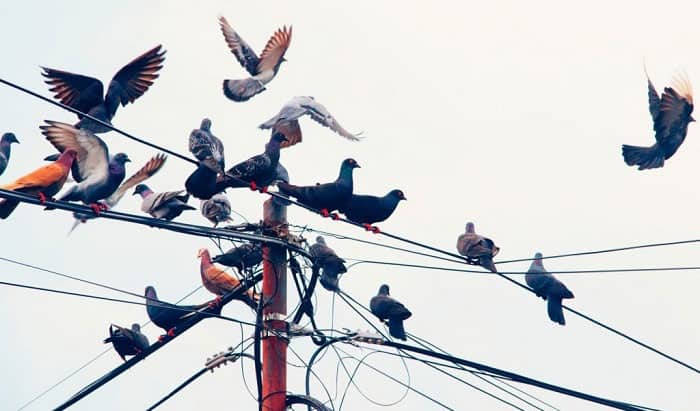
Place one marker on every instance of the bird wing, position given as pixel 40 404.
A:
pixel 275 49
pixel 93 155
pixel 240 49
pixel 251 167
pixel 74 90
pixel 146 172
pixel 217 280
pixel 39 178
pixel 156 200
pixel 321 115
pixel 675 108
pixel 654 100
pixel 135 78
pixel 319 250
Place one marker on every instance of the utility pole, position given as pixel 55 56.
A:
pixel 274 348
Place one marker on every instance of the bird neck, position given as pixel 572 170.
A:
pixel 146 192
pixel 117 169
pixel 5 148
pixel 345 174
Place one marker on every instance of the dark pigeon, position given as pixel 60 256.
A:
pixel 390 310
pixel 671 114
pixel 5 143
pixel 258 171
pixel 325 197
pixel 127 341
pixel 242 257
pixel 365 209
pixel 477 248
pixel 86 93
pixel 549 288
pixel 167 205
pixel 328 261
pixel 167 316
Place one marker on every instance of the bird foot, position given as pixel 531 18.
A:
pixel 335 216
pixel 215 302
pixel 324 212
pixel 373 228
pixel 42 198
pixel 253 186
pixel 263 189
pixel 97 208
pixel 171 332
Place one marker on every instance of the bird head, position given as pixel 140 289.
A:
pixel 121 158
pixel 538 259
pixel 202 252
pixel 470 227
pixel 10 138
pixel 384 289
pixel 140 189
pixel 136 327
pixel 398 194
pixel 321 240
pixel 206 124
pixel 350 162
pixel 151 292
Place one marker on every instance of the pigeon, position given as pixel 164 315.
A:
pixel 209 151
pixel 5 143
pixel 127 341
pixel 43 182
pixel 671 114
pixel 368 210
pixel 258 171
pixel 262 69
pixel 388 309
pixel 549 288
pixel 331 265
pixel 243 257
pixel 477 248
pixel 287 120
pixel 148 170
pixel 220 282
pixel 167 316
pixel 97 175
pixel 325 197
pixel 167 205
pixel 86 93
pixel 217 209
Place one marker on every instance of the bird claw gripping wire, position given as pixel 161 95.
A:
pixel 324 212
pixel 373 228
pixel 42 198
pixel 97 208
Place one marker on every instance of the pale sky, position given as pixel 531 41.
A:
pixel 508 114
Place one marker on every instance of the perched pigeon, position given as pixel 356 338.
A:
pixel 370 209
pixel 209 151
pixel 167 316
pixel 148 170
pixel 287 120
pixel 217 209
pixel 43 182
pixel 477 248
pixel 258 171
pixel 262 69
pixel 5 143
pixel 325 197
pixel 388 309
pixel 96 174
pixel 242 257
pixel 331 265
pixel 167 205
pixel 220 282
pixel 86 93
pixel 127 341
pixel 549 288
pixel 671 114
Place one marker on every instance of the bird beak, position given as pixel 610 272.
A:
pixel 357 166
pixel 404 198
pixel 692 119
pixel 127 160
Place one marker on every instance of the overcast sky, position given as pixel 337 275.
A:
pixel 508 114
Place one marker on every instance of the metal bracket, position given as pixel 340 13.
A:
pixel 274 317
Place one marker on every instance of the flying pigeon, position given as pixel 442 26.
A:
pixel 671 114
pixel 258 171
pixel 549 288
pixel 127 341
pixel 242 257
pixel 209 151
pixel 287 120
pixel 217 209
pixel 86 93
pixel 167 205
pixel 325 197
pixel 220 282
pixel 167 316
pixel 368 210
pixel 43 182
pixel 97 175
pixel 148 170
pixel 5 143
pixel 262 69
pixel 388 309
pixel 331 265
pixel 477 248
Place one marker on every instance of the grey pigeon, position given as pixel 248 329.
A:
pixel 217 209
pixel 127 341
pixel 671 114
pixel 262 69
pixel 242 257
pixel 5 143
pixel 287 120
pixel 330 264
pixel 477 248
pixel 96 173
pixel 86 93
pixel 325 197
pixel 258 171
pixel 167 205
pixel 205 145
pixel 368 210
pixel 167 316
pixel 549 288
pixel 390 310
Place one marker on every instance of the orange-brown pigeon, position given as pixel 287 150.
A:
pixel 43 182
pixel 219 281
pixel 477 247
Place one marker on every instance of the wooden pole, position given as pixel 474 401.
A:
pixel 274 348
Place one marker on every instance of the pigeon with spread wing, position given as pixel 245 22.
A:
pixel 127 341
pixel 166 205
pixel 389 310
pixel 85 93
pixel 5 143
pixel 219 282
pixel 549 288
pixel 477 248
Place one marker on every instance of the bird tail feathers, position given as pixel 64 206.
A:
pixel 7 206
pixel 486 261
pixel 555 311
pixel 396 329
pixel 644 157
pixel 242 90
